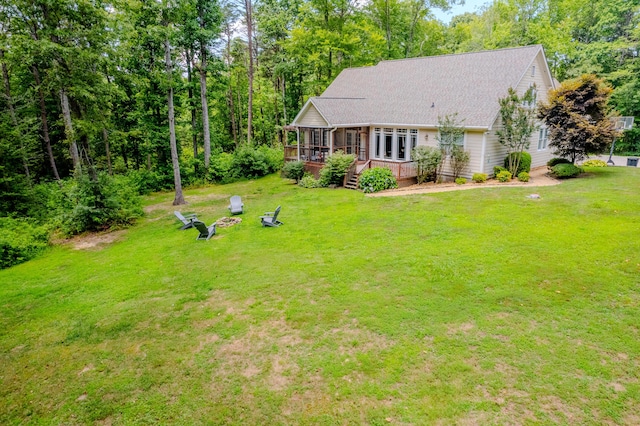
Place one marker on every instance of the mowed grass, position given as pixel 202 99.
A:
pixel 468 307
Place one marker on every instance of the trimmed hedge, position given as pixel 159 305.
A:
pixel 556 161
pixel 565 171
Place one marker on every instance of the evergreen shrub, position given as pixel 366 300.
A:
pixel 525 161
pixel 504 176
pixel 479 177
pixel 565 170
pixel 523 177
pixel 461 181
pixel 555 161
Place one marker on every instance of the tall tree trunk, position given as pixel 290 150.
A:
pixel 45 125
pixel 284 109
pixel 205 107
pixel 14 119
pixel 179 198
pixel 232 110
pixel 248 9
pixel 107 149
pixel 192 107
pixel 68 128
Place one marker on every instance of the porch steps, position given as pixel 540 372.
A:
pixel 353 182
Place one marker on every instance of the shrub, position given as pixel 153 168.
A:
pixel 98 204
pixel 594 163
pixel 523 177
pixel 565 170
pixel 146 181
pixel 459 160
pixel 429 162
pixel 525 162
pixel 274 157
pixel 308 181
pixel 479 177
pixel 377 179
pixel 20 240
pixel 220 167
pixel 249 163
pixel 335 168
pixel 555 161
pixel 461 181
pixel 498 169
pixel 504 176
pixel 293 170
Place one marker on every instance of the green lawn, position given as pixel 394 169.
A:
pixel 467 307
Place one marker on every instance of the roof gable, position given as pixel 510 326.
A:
pixel 417 91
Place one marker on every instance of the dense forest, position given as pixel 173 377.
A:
pixel 168 91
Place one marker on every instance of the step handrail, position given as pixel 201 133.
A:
pixel 351 172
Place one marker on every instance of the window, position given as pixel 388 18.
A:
pixel 543 138
pixel 414 138
pixel 534 99
pixel 388 143
pixel 447 141
pixel 402 144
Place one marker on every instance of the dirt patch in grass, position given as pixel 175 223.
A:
pixel 95 241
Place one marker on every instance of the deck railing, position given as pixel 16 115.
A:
pixel 290 152
pixel 402 170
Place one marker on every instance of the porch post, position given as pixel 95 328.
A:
pixel 298 140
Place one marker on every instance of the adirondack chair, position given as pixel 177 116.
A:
pixel 236 206
pixel 271 218
pixel 205 232
pixel 187 221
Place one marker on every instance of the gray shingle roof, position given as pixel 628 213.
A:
pixel 416 91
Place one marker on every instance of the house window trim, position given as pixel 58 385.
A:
pixel 543 138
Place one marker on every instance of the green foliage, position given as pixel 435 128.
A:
pixel 293 170
pixel 594 163
pixel 377 179
pixel 498 169
pixel 147 181
pixel 523 177
pixel 459 160
pixel 564 170
pixel 461 180
pixel 335 167
pixel 97 205
pixel 479 177
pixel 308 181
pixel 576 114
pixel 250 162
pixel 555 161
pixel 523 162
pixel 20 240
pixel 504 176
pixel 220 168
pixel 450 132
pixel 428 163
pixel 518 123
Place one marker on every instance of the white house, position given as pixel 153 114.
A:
pixel 381 112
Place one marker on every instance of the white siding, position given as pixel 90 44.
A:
pixel 312 118
pixel 495 153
